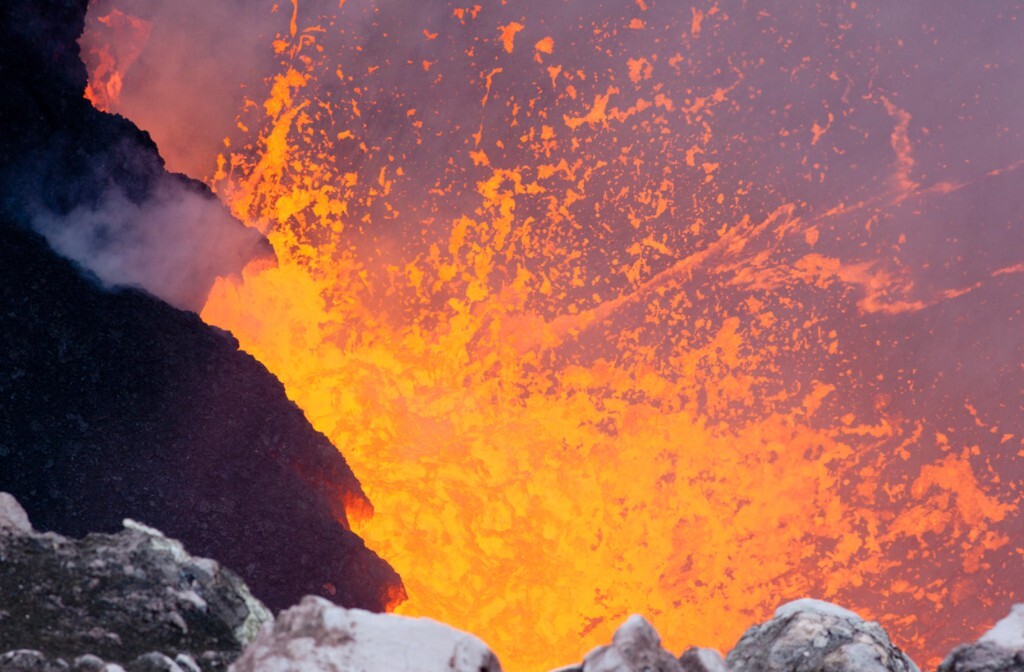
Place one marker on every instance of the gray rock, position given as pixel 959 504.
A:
pixel 153 662
pixel 12 517
pixel 697 659
pixel 187 663
pixel 814 636
pixel 91 663
pixel 88 663
pixel 317 636
pixel 29 660
pixel 635 647
pixel 1009 632
pixel 135 600
pixel 1001 649
pixel 983 657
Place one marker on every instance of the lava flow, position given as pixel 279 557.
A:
pixel 650 307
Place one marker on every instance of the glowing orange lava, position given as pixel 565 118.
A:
pixel 588 350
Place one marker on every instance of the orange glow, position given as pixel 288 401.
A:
pixel 108 64
pixel 595 368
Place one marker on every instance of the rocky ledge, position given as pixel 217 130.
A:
pixel 133 599
pixel 805 636
pixel 117 405
pixel 136 601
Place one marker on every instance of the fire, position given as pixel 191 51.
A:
pixel 587 352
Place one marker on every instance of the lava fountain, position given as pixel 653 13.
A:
pixel 672 308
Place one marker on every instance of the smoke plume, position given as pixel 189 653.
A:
pixel 173 244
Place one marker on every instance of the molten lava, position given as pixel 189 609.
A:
pixel 638 309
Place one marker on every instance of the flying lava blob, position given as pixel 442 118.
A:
pixel 672 308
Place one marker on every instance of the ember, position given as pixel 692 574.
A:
pixel 637 307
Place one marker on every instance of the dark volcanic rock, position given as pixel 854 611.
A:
pixel 813 636
pixel 94 183
pixel 1001 649
pixel 134 598
pixel 115 405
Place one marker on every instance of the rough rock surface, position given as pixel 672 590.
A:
pixel 319 636
pixel 116 405
pixel 1001 649
pixel 635 647
pixel 65 162
pixel 13 518
pixel 135 598
pixel 814 636
pixel 699 659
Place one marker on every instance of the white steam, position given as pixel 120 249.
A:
pixel 173 245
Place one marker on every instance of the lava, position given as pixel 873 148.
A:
pixel 650 308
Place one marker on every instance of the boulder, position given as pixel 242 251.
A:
pixel 699 659
pixel 635 647
pixel 12 517
pixel 814 636
pixel 28 660
pixel 135 599
pixel 317 636
pixel 1001 649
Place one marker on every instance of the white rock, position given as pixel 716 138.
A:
pixel 1009 632
pixel 318 636
pixel 636 645
pixel 1001 649
pixel 258 614
pixel 187 663
pixel 815 635
pixel 816 606
pixel 636 631
pixel 699 659
pixel 12 516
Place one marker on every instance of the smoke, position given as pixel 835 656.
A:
pixel 173 244
pixel 178 84
pixel 96 186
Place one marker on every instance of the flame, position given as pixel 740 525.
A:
pixel 585 356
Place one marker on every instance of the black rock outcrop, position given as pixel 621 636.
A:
pixel 94 183
pixel 135 598
pixel 115 405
